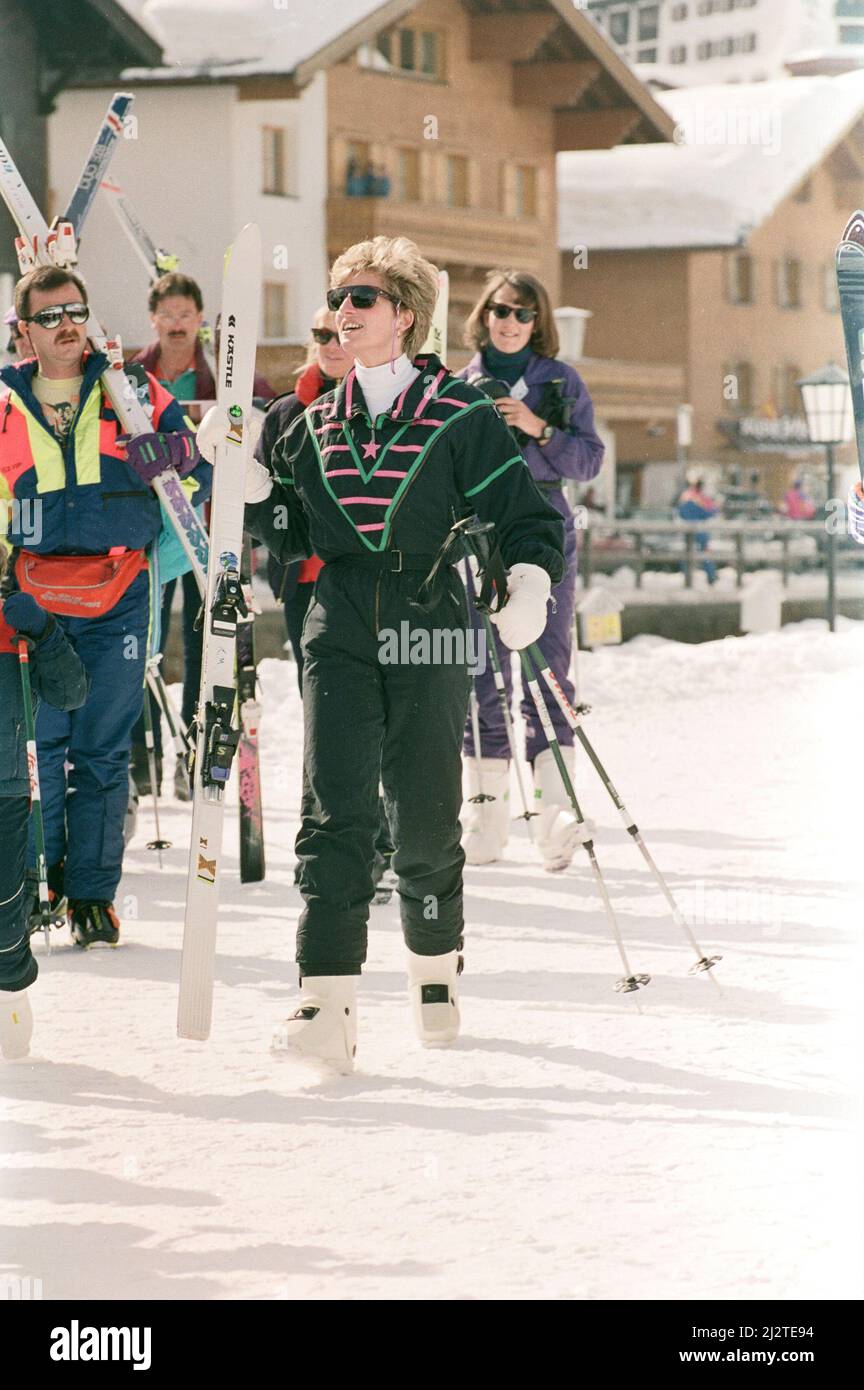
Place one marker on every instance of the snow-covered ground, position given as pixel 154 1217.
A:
pixel 569 1147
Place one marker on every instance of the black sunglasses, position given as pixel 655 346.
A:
pixel 362 297
pixel 53 316
pixel 503 311
pixel 323 335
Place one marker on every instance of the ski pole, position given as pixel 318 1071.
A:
pixel 475 724
pixel 573 716
pixel 158 844
pixel 501 692
pixel 176 727
pixel 629 981
pixel 45 918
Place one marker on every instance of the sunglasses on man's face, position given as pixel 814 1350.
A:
pixel 52 317
pixel 324 335
pixel 503 311
pixel 362 297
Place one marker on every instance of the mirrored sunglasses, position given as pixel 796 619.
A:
pixel 52 317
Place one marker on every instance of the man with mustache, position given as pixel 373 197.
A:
pixel 64 461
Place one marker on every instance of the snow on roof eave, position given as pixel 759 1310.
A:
pixel 205 72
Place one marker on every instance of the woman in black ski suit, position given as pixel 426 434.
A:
pixel 371 478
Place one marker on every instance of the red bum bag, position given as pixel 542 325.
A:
pixel 78 586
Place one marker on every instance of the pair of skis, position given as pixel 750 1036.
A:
pixel 39 244
pixel 158 262
pixel 225 607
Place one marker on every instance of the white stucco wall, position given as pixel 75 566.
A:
pixel 193 173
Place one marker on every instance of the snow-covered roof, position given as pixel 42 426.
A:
pixel 245 38
pixel 743 148
pixel 223 40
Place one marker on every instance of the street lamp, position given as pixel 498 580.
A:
pixel 828 408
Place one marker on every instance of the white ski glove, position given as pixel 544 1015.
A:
pixel 522 620
pixel 214 430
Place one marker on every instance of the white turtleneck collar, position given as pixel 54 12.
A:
pixel 381 385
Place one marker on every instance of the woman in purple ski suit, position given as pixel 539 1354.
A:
pixel 546 404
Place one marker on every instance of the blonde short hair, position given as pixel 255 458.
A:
pixel 406 274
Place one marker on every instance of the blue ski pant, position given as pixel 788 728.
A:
pixel 18 967
pixel 556 645
pixel 84 810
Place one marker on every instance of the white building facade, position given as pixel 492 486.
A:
pixel 202 158
pixel 698 42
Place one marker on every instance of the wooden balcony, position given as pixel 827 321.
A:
pixel 462 236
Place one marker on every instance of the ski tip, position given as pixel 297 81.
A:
pixel 247 240
pixel 854 229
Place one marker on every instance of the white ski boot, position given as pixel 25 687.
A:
pixel 323 1027
pixel 486 824
pixel 433 991
pixel 16 1024
pixel 557 833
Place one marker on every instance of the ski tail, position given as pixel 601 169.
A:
pixel 97 161
pixel 217 733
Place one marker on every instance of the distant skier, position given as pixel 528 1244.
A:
pixel 695 504
pixel 56 674
pixel 798 505
pixel 84 518
pixel 547 405
pixel 369 478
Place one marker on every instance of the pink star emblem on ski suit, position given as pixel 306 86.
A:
pixel 370 450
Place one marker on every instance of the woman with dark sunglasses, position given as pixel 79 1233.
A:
pixel 372 477
pixel 293 584
pixel 546 404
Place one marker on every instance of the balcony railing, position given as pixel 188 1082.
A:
pixel 470 236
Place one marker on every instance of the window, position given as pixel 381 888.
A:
pixel 408 175
pixel 429 64
pixel 646 55
pixel 647 26
pixel 525 191
pixel 789 274
pixel 851 33
pixel 406 59
pixel 744 377
pixel 830 297
pixel 678 54
pixel 457 181
pixel 419 52
pixel 273 160
pixel 787 395
pixel 740 281
pixel 619 26
pixel 275 310
pixel 678 12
